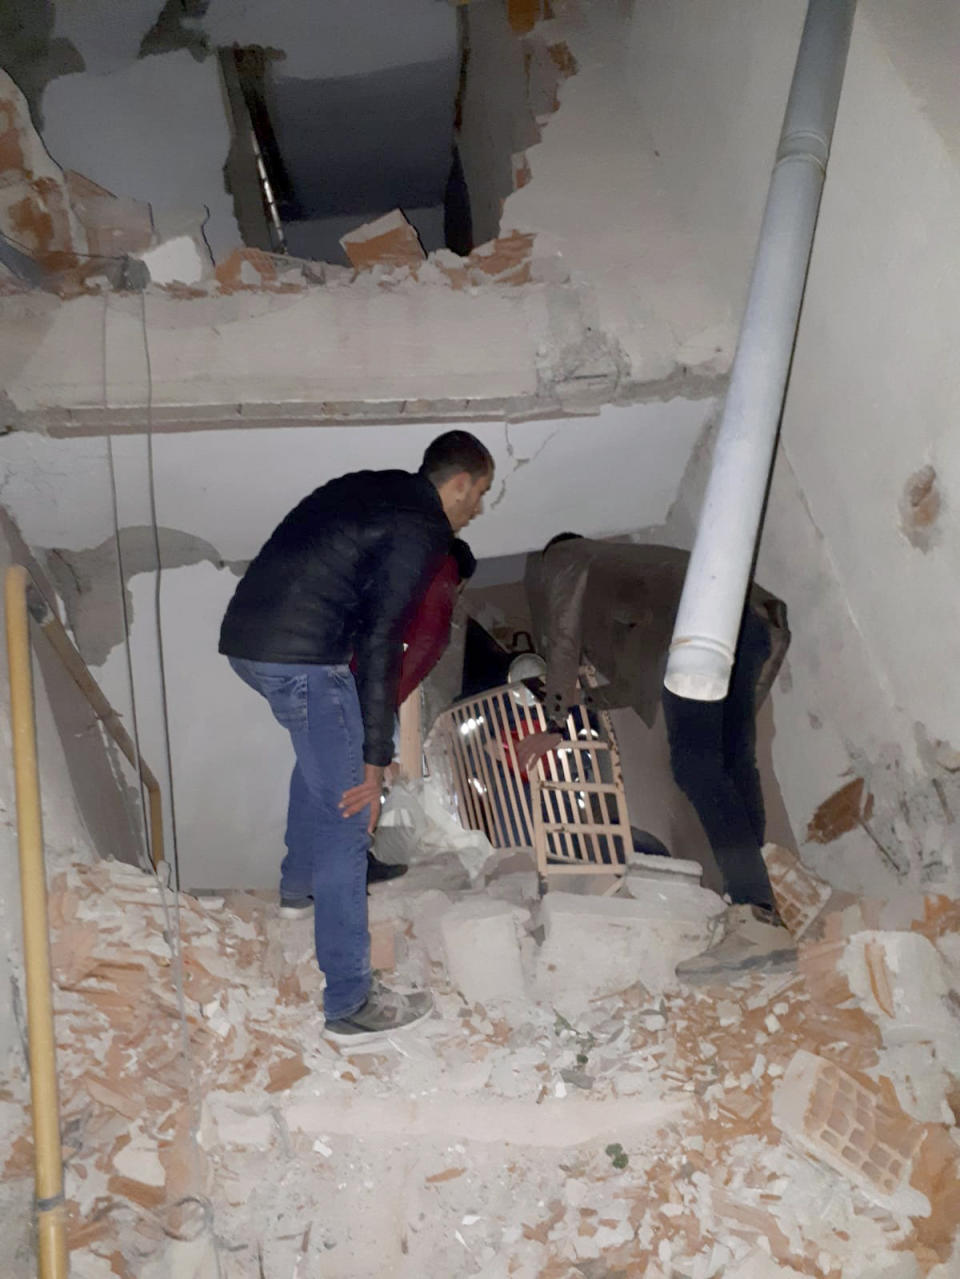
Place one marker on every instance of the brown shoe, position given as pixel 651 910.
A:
pixel 753 937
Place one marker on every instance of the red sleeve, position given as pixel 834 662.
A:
pixel 429 631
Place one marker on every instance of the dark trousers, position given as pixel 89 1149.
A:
pixel 713 756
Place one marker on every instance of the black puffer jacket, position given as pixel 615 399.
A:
pixel 340 576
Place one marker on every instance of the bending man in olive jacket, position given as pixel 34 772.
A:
pixel 341 577
pixel 615 603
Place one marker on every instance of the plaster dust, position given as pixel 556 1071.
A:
pixel 490 1141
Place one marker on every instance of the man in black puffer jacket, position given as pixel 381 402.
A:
pixel 341 577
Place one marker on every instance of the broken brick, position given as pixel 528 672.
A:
pixel 506 259
pixel 852 1129
pixel 284 1074
pixel 800 895
pixel 247 268
pixel 389 241
pixel 448 1174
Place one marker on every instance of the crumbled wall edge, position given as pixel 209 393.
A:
pixel 62 423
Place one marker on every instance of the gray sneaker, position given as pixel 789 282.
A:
pixel 295 907
pixel 752 937
pixel 384 1012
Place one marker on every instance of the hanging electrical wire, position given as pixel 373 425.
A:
pixel 169 891
pixel 144 852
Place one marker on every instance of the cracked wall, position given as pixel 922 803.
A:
pixel 580 302
pixel 88 581
pixel 622 264
pixel 219 494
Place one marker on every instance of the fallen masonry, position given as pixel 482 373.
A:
pixel 797 1124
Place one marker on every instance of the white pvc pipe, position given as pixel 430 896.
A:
pixel 711 607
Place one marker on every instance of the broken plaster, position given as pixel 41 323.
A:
pixel 88 581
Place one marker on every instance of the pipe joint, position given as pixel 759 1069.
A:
pixel 804 144
pixel 699 668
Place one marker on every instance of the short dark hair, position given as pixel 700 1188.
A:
pixel 453 453
pixel 562 537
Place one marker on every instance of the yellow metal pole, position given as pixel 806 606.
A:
pixel 51 1220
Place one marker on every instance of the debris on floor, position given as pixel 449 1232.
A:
pixel 801 1123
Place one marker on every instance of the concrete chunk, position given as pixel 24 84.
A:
pixel 900 981
pixel 481 938
pixel 596 946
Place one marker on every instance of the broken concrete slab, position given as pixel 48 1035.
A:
pixel 554 1123
pixel 649 866
pixel 235 1128
pixel 389 241
pixel 482 942
pixel 920 1080
pixel 901 982
pixel 596 946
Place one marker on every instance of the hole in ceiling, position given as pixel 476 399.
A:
pixel 311 160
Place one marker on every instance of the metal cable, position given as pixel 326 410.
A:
pixel 146 862
pixel 172 921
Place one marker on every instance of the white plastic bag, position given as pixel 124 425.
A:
pixel 418 822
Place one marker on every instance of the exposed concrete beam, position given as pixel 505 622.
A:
pixel 334 355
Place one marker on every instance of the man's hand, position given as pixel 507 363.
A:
pixel 530 749
pixel 357 798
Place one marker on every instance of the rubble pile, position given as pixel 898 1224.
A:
pixel 792 1123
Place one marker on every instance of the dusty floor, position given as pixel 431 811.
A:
pixel 632 1138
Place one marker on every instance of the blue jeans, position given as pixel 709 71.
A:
pixel 326 853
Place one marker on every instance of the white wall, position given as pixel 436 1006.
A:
pixel 873 395
pixel 710 81
pixel 495 116
pixel 597 198
pixel 605 474
pixel 614 471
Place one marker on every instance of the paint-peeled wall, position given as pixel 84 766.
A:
pixel 861 534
